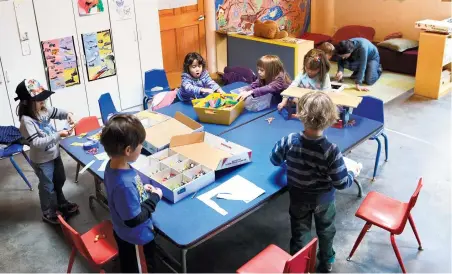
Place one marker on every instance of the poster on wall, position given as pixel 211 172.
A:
pixel 239 16
pixel 89 7
pixel 100 59
pixel 123 8
pixel 61 63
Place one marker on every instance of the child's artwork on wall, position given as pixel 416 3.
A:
pixel 123 9
pixel 61 63
pixel 100 60
pixel 240 15
pixel 88 7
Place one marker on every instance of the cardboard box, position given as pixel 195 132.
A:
pixel 176 170
pixel 217 116
pixel 339 98
pixel 151 118
pixel 158 136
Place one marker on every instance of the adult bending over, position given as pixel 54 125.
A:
pixel 360 56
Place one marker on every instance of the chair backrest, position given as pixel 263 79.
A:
pixel 156 78
pixel 353 31
pixel 74 238
pixel 106 107
pixel 86 124
pixel 415 195
pixel 304 260
pixel 371 108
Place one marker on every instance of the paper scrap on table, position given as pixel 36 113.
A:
pixel 102 156
pixel 353 166
pixel 77 144
pixel 150 115
pixel 103 165
pixel 236 188
pixel 87 166
pixel 95 137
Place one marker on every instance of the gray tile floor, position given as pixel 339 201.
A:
pixel 419 139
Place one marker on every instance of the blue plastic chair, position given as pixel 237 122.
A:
pixel 155 78
pixel 372 108
pixel 9 152
pixel 106 107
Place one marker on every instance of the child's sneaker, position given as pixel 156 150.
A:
pixel 325 268
pixel 51 219
pixel 68 209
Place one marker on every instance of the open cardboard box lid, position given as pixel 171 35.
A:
pixel 339 98
pixel 160 134
pixel 209 150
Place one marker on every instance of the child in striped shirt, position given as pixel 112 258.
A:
pixel 315 169
pixel 196 81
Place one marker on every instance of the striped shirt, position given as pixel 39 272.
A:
pixel 315 167
pixel 191 87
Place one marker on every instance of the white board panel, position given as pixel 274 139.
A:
pixel 94 89
pixel 6 115
pixel 55 19
pixel 18 65
pixel 127 54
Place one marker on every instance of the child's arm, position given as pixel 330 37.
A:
pixel 56 113
pixel 296 82
pixel 326 85
pixel 29 132
pixel 340 176
pixel 278 154
pixel 129 208
pixel 188 90
pixel 209 82
pixel 276 86
pixel 362 64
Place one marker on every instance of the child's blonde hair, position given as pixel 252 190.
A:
pixel 327 48
pixel 272 66
pixel 317 110
pixel 316 59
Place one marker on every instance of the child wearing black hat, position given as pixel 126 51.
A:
pixel 43 139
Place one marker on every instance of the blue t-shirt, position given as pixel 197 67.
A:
pixel 125 194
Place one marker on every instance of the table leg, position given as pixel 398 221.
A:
pixel 99 196
pixel 183 254
pixel 360 189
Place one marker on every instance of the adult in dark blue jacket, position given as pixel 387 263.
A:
pixel 360 56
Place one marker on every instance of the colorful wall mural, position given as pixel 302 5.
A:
pixel 291 15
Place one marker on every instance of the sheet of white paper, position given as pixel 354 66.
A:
pixel 102 156
pixel 353 166
pixel 87 166
pixel 103 166
pixel 172 4
pixel 236 188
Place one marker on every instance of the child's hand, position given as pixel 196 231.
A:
pixel 152 189
pixel 244 94
pixel 283 103
pixel 220 91
pixel 64 133
pixel 360 88
pixel 207 90
pixel 339 75
pixel 70 119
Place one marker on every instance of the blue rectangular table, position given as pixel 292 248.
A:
pixel 190 222
pixel 246 116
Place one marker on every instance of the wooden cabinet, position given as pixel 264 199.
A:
pixel 435 56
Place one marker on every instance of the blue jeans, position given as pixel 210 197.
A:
pixel 372 73
pixel 51 180
pixel 301 223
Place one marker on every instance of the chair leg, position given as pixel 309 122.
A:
pixel 16 166
pixel 377 158
pixel 413 226
pixel 26 157
pixel 397 253
pixel 76 173
pixel 358 241
pixel 71 259
pixel 145 102
pixel 386 146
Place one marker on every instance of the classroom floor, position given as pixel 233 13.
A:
pixel 419 139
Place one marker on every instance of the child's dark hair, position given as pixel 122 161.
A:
pixel 316 59
pixel 27 108
pixel 344 47
pixel 190 58
pixel 121 131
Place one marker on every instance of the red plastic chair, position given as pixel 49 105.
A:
pixel 275 260
pixel 85 125
pixel 389 214
pixel 99 252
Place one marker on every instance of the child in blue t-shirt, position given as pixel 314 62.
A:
pixel 131 203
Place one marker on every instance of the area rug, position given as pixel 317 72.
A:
pixel 390 85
